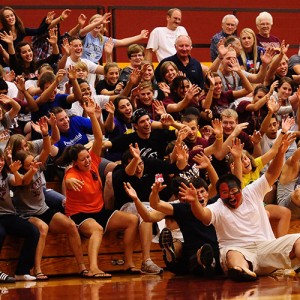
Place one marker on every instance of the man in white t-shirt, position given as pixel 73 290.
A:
pixel 247 244
pixel 162 39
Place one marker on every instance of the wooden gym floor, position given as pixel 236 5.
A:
pixel 148 287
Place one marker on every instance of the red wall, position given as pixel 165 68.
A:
pixel 201 25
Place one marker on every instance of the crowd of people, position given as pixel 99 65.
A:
pixel 210 154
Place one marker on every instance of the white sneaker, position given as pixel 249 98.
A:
pixel 149 267
pixel 25 277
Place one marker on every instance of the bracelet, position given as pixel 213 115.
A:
pixel 61 18
pixel 220 58
pixel 211 89
pixel 282 132
pixel 46 135
pixel 219 138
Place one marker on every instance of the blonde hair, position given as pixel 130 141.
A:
pixel 100 36
pixel 82 65
pixel 254 48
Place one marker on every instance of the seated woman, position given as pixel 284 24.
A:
pixel 249 57
pixel 182 94
pixel 12 223
pixel 85 204
pixel 110 85
pixel 21 57
pixel 29 201
pixel 145 99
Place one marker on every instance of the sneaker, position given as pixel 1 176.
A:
pixel 205 258
pixel 149 267
pixel 25 277
pixel 166 244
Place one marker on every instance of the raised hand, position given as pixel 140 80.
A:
pixel 144 34
pixel 65 14
pixel 287 124
pixel 52 36
pixel 157 187
pixel 255 137
pixel 135 151
pixel 52 120
pixel 7 37
pixel 273 105
pixel 159 107
pixel 81 20
pixel 284 48
pixel 239 127
pixel 167 120
pixel 192 91
pixel 65 47
pixel 135 76
pixel 164 87
pixel 72 72
pixel 59 75
pixel 50 17
pixel 217 127
pixel 202 161
pixel 109 107
pixel 130 191
pixel 236 148
pixel 15 166
pixel 89 105
pixel 109 46
pixel 20 83
pixel 188 193
pixel 267 57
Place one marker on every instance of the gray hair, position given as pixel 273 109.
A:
pixel 230 17
pixel 264 16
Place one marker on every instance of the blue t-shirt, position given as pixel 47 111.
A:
pixel 59 100
pixel 93 47
pixel 77 133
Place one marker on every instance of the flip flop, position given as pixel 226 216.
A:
pixel 83 274
pixel 41 276
pixel 6 278
pixel 240 275
pixel 100 276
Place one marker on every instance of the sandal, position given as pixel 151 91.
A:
pixel 83 273
pixel 100 276
pixel 240 275
pixel 6 278
pixel 41 276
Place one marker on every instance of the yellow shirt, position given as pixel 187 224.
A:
pixel 253 175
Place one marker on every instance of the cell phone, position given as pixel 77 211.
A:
pixel 159 178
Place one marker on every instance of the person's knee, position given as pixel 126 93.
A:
pixel 43 229
pixel 285 213
pixel 295 197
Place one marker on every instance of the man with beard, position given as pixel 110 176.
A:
pixel 247 244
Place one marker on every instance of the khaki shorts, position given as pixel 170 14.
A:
pixel 266 256
pixel 130 207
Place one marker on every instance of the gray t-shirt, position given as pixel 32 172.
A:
pixel 29 200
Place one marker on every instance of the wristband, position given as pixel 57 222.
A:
pixel 282 132
pixel 61 18
pixel 46 135
pixel 218 138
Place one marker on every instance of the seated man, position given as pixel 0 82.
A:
pixel 199 252
pixel 247 244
